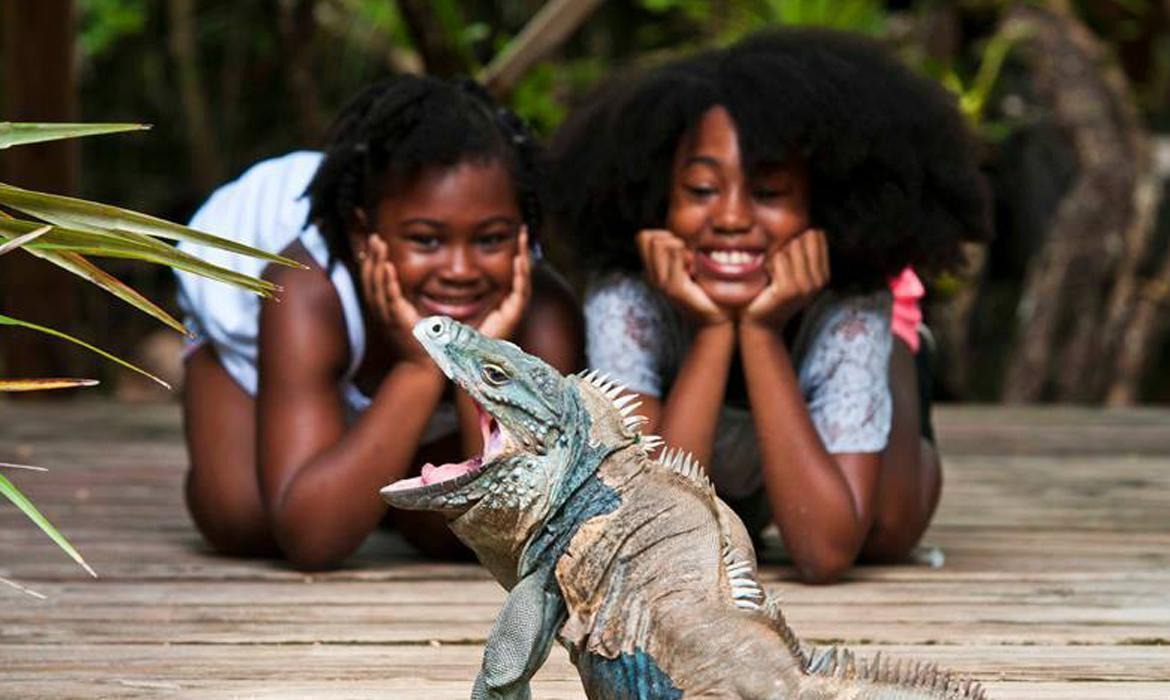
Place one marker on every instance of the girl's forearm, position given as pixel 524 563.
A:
pixel 822 516
pixel 690 413
pixel 332 502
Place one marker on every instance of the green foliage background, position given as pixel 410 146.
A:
pixel 247 56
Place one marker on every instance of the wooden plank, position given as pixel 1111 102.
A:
pixel 1055 525
pixel 180 663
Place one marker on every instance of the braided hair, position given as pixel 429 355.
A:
pixel 397 127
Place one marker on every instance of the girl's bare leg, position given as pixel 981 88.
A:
pixel 911 475
pixel 223 488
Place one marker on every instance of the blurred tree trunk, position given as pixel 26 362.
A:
pixel 39 85
pixel 1072 283
pixel 555 22
pixel 204 151
pixel 441 55
pixel 1148 301
pixel 297 28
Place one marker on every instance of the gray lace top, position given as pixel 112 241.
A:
pixel 841 356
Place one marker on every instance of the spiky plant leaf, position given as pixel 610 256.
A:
pixel 17 133
pixel 130 246
pixel 22 589
pixel 13 494
pixel 29 237
pixel 86 270
pixel 7 385
pixel 9 321
pixel 92 216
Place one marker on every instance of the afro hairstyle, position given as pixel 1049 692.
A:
pixel 892 164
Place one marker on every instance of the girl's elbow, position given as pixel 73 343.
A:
pixel 305 549
pixel 824 567
pixel 821 573
pixel 310 558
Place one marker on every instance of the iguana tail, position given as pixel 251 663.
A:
pixel 835 673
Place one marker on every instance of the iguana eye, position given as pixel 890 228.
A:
pixel 495 375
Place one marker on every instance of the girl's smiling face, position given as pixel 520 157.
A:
pixel 452 234
pixel 729 219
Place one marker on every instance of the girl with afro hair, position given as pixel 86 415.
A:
pixel 745 213
pixel 298 411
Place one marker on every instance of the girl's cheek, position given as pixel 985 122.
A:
pixel 499 269
pixel 685 223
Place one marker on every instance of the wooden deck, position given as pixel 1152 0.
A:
pixel 1055 525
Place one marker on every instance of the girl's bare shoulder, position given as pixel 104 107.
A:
pixel 306 311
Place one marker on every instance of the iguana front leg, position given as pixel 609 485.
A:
pixel 521 638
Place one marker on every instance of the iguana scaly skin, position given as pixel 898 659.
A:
pixel 630 561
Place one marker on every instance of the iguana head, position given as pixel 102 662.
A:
pixel 543 433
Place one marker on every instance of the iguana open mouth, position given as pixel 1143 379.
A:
pixel 454 475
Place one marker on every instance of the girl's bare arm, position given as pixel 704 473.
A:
pixel 688 417
pixel 320 477
pixel 822 502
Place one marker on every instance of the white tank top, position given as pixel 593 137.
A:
pixel 265 208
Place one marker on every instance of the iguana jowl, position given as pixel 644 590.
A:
pixel 630 561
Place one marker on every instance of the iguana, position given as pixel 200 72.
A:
pixel 628 560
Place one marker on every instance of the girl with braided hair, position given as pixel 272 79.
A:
pixel 749 215
pixel 425 201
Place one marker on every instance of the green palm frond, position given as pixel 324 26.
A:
pixel 91 216
pixel 44 384
pixel 18 133
pixel 9 490
pixel 9 321
pixel 66 231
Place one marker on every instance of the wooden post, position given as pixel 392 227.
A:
pixel 39 84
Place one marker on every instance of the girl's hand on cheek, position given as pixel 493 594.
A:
pixel 797 272
pixel 667 263
pixel 502 321
pixel 383 293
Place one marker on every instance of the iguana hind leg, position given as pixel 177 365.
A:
pixel 520 638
